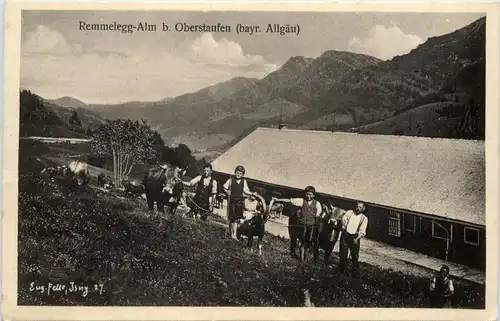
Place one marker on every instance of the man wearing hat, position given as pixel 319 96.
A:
pixel 310 210
pixel 236 188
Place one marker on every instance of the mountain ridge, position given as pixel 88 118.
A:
pixel 337 90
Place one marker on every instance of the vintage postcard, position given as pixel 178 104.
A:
pixel 243 161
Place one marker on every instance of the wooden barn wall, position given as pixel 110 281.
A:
pixel 473 254
pixel 407 230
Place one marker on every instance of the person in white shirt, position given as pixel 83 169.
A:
pixel 254 204
pixel 310 212
pixel 441 289
pixel 354 224
pixel 255 213
pixel 236 188
pixel 206 189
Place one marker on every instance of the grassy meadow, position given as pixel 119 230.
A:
pixel 129 257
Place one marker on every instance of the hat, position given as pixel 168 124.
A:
pixel 310 189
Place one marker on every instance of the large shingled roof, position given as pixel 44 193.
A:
pixel 436 176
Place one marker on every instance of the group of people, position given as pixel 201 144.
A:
pixel 243 205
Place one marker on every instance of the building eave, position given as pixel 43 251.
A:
pixel 411 212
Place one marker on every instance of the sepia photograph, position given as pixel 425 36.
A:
pixel 251 158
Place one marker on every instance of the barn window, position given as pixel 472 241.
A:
pixel 471 235
pixel 410 223
pixel 394 223
pixel 439 231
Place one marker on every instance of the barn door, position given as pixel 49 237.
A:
pixel 442 233
pixel 394 224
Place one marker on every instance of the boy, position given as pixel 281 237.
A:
pixel 254 204
pixel 441 289
pixel 310 211
pixel 236 188
pixel 255 217
pixel 206 190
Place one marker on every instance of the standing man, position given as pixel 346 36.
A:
pixel 354 225
pixel 236 188
pixel 441 289
pixel 310 211
pixel 206 189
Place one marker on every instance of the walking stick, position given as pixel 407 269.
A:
pixel 228 230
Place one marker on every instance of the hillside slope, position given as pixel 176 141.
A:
pixel 204 121
pixel 39 119
pixel 87 118
pixel 132 258
pixel 377 92
pixel 456 111
pixel 64 107
pixel 68 102
pixel 172 110
pixel 436 90
pixel 422 77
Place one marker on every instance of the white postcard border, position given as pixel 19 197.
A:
pixel 12 56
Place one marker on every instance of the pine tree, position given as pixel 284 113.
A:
pixel 75 120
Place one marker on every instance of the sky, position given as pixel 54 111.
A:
pixel 58 59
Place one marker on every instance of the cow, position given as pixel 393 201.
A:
pixel 134 187
pixel 108 183
pixel 57 174
pixel 80 172
pixel 100 180
pixel 294 228
pixel 162 185
pixel 325 233
pixel 64 170
pixel 276 210
pixel 219 200
pixel 329 232
pixel 50 171
pixel 105 182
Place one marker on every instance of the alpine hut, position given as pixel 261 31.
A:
pixel 422 194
